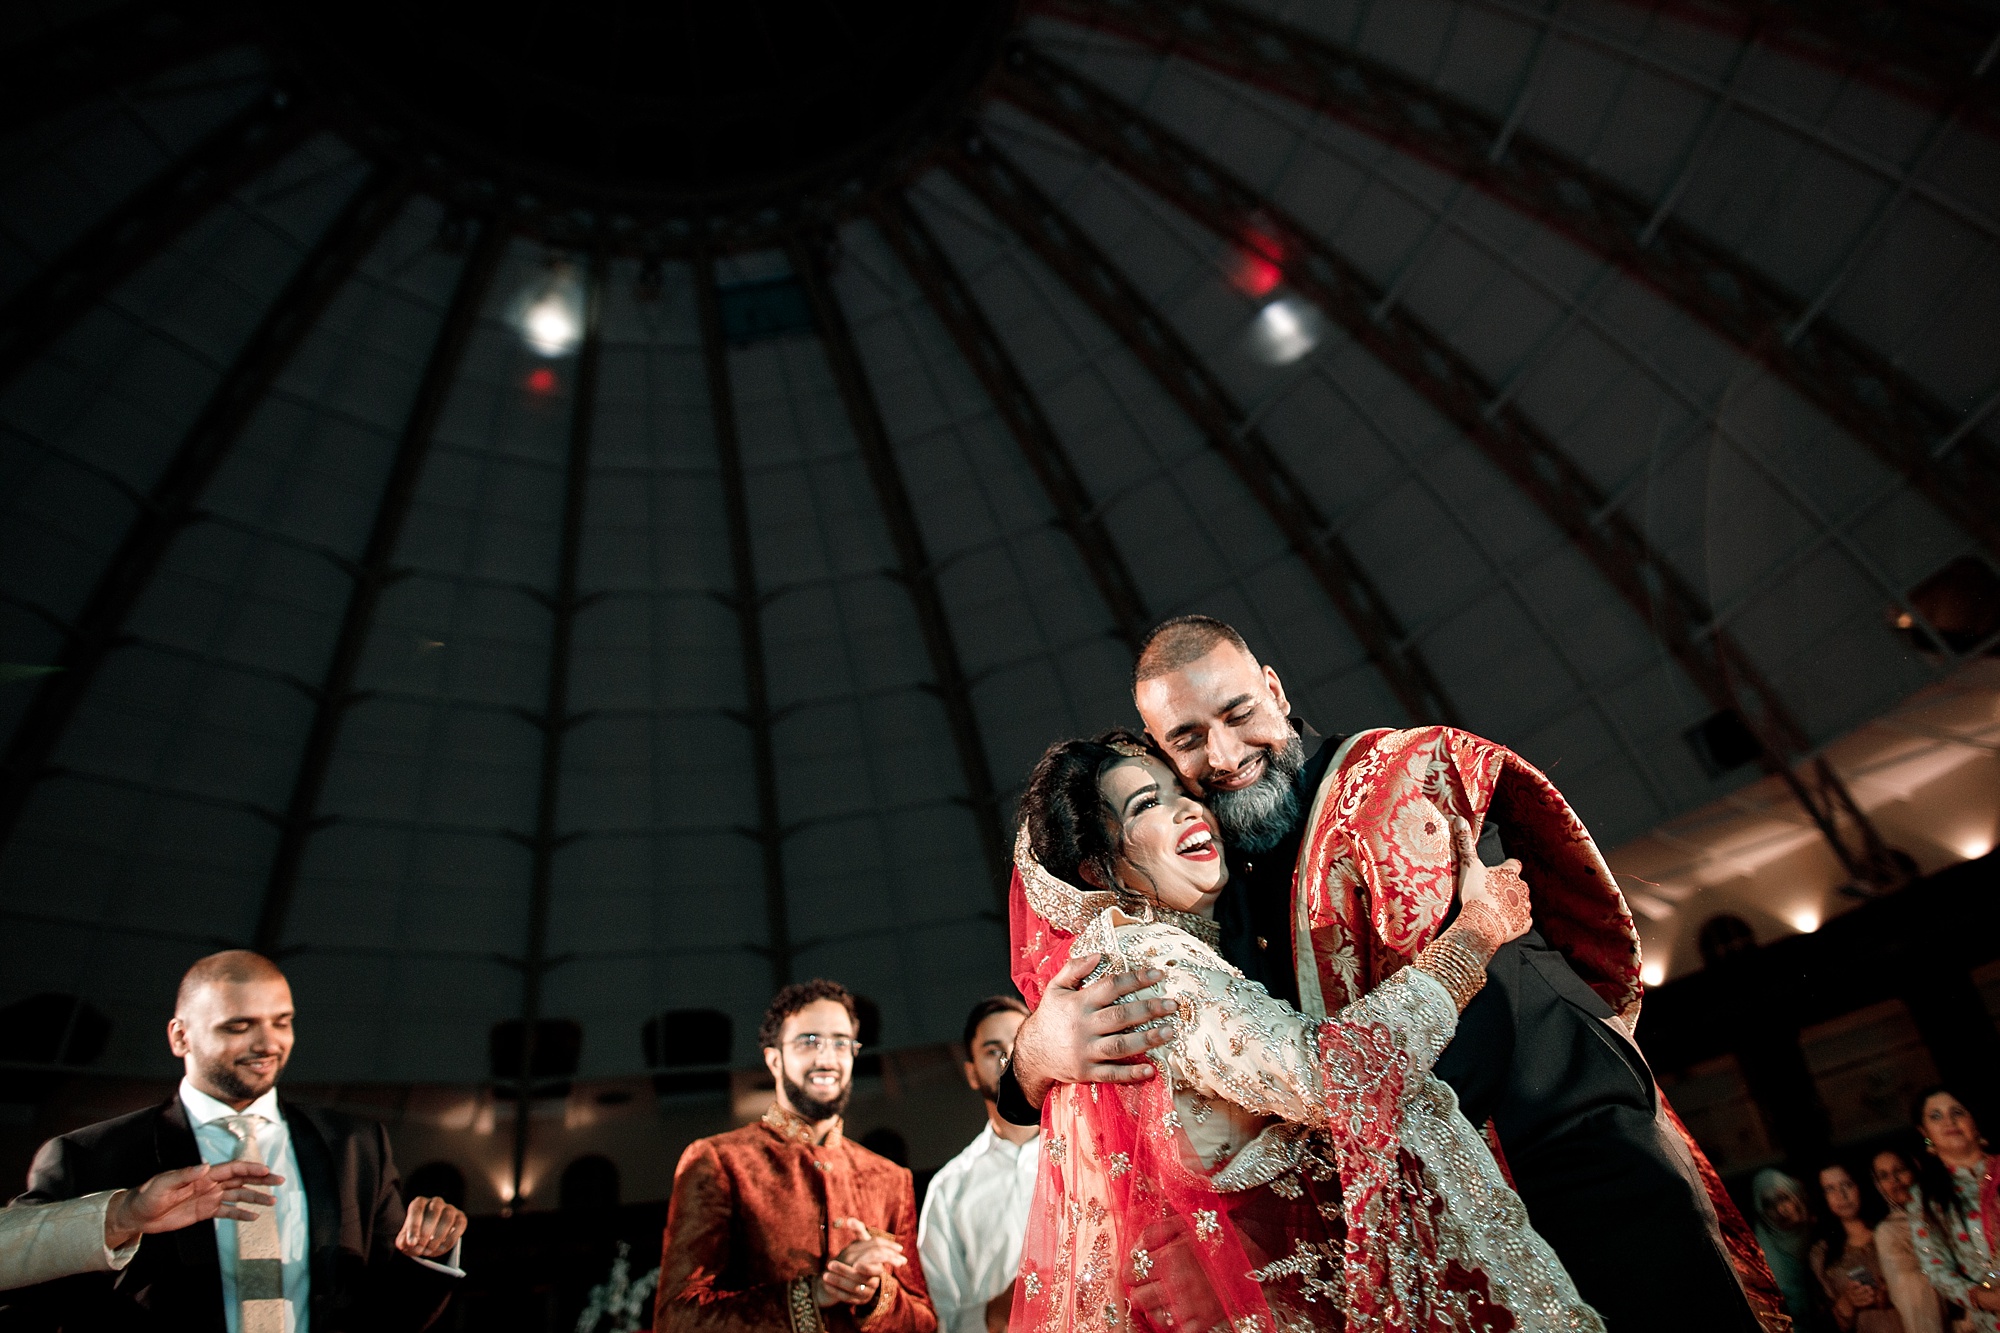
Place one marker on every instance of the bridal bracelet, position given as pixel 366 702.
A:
pixel 1453 965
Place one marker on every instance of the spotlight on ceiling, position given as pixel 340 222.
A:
pixel 551 317
pixel 1285 330
pixel 1654 972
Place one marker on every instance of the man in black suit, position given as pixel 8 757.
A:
pixel 1606 1179
pixel 339 1251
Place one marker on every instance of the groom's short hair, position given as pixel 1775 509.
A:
pixel 1184 639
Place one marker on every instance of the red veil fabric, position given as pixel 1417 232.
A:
pixel 1376 878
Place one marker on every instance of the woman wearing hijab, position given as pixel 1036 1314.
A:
pixel 1784 1229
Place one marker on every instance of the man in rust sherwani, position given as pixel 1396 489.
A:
pixel 784 1225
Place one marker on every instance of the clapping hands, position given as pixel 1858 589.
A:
pixel 855 1277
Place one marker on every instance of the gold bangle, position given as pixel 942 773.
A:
pixel 1454 966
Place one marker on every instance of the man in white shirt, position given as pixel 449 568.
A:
pixel 976 1213
pixel 340 1251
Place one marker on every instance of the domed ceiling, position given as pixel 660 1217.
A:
pixel 586 511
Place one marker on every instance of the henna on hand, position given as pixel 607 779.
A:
pixel 1493 900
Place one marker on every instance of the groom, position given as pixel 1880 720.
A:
pixel 1606 1179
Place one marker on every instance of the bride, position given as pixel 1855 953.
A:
pixel 1282 1174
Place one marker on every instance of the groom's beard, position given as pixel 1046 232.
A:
pixel 1258 817
pixel 813 1108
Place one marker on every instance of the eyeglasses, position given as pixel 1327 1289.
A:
pixel 811 1043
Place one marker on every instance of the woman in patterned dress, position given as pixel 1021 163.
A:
pixel 1951 1208
pixel 1211 1196
pixel 1844 1259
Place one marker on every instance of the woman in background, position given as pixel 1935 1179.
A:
pixel 1784 1229
pixel 1954 1194
pixel 1916 1301
pixel 1844 1258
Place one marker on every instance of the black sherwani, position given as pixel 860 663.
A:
pixel 354 1205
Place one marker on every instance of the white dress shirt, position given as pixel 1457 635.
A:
pixel 975 1218
pixel 274 1143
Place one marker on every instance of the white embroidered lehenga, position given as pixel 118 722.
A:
pixel 1282 1175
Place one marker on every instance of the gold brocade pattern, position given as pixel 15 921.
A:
pixel 798 1129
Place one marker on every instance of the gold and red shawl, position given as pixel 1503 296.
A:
pixel 1376 878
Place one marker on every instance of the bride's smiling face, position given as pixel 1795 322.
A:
pixel 1167 841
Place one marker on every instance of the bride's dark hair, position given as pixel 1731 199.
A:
pixel 1064 812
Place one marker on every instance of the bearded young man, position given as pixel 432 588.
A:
pixel 340 1250
pixel 784 1224
pixel 976 1210
pixel 1543 1054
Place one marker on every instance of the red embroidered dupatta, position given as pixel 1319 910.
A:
pixel 1376 877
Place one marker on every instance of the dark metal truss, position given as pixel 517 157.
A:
pixel 1076 512
pixel 1208 192
pixel 1913 433
pixel 1929 51
pixel 747 602
pixel 555 720
pixel 120 46
pixel 1063 246
pixel 174 498
pixel 915 569
pixel 231 157
pixel 373 573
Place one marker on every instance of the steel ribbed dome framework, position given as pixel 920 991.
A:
pixel 1660 345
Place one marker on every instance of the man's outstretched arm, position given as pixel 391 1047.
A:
pixel 1082 1034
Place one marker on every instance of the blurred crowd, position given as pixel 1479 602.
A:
pixel 1895 1243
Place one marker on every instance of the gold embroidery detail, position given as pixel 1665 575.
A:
pixel 1304 1264
pixel 1206 1224
pixel 1120 1163
pixel 803 1309
pixel 1142 1263
pixel 1058 1145
pixel 1287 1187
pixel 797 1129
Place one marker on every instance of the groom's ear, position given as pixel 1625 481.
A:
pixel 1092 875
pixel 1277 688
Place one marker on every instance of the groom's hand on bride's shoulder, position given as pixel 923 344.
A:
pixel 1083 1034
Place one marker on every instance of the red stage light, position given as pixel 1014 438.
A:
pixel 1255 275
pixel 542 380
